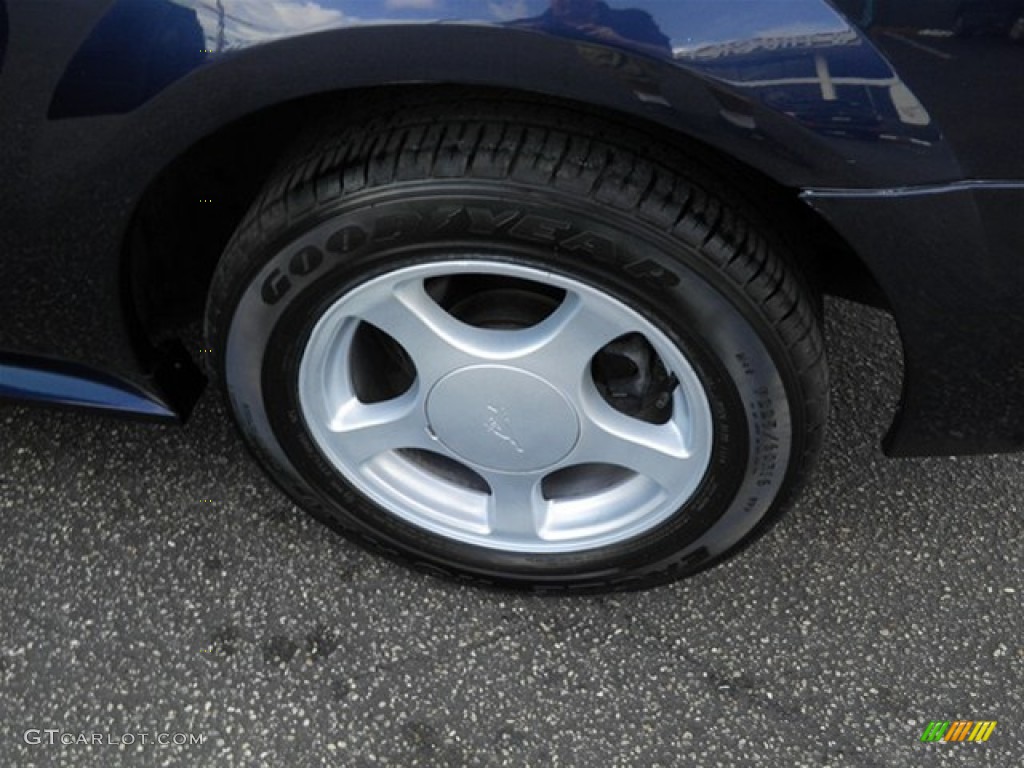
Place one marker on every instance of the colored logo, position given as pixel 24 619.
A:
pixel 958 730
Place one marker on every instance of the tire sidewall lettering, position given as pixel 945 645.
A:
pixel 360 232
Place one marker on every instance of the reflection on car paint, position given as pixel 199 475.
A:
pixel 833 82
pixel 61 384
pixel 799 58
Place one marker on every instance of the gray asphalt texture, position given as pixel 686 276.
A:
pixel 154 582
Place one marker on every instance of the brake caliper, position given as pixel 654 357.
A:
pixel 633 380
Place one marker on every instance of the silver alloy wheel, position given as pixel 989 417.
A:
pixel 502 439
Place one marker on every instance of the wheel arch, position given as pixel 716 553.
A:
pixel 187 214
pixel 220 143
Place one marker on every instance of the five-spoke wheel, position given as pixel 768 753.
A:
pixel 506 431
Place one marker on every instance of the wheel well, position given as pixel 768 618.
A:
pixel 187 215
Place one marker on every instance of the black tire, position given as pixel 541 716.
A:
pixel 596 203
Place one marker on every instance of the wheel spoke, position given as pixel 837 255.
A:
pixel 516 508
pixel 660 452
pixel 560 348
pixel 436 341
pixel 620 508
pixel 362 431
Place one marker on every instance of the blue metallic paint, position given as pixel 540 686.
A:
pixel 895 133
pixel 60 384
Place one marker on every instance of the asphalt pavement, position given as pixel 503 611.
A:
pixel 154 588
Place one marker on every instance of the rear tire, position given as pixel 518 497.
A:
pixel 491 345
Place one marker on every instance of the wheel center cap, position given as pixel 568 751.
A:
pixel 502 418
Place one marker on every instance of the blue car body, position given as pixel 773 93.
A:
pixel 135 132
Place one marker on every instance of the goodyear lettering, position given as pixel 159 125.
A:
pixel 455 220
pixel 649 270
pixel 306 261
pixel 347 239
pixel 275 287
pixel 485 222
pixel 395 227
pixel 303 263
pixel 601 248
pixel 446 217
pixel 539 229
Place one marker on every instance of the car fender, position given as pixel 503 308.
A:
pixel 718 81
